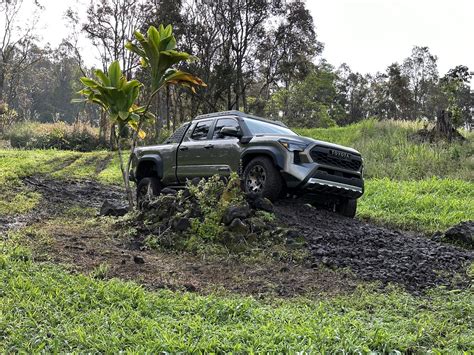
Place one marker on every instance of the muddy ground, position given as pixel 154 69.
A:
pixel 341 252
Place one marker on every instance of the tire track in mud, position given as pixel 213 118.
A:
pixel 375 253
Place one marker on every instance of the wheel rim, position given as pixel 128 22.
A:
pixel 256 179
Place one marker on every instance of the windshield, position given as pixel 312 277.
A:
pixel 261 127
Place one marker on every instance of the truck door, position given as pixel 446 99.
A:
pixel 227 150
pixel 195 152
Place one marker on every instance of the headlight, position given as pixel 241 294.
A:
pixel 293 146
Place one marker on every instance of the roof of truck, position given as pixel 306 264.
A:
pixel 239 114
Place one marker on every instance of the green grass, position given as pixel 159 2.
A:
pixel 43 308
pixel 389 151
pixel 426 205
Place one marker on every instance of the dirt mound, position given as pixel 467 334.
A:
pixel 375 253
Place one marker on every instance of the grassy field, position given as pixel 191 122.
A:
pixel 390 151
pixel 45 309
pixel 409 184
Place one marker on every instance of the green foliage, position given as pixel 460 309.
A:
pixel 60 135
pixel 307 103
pixel 427 205
pixel 158 52
pixel 45 309
pixel 391 149
pixel 116 95
pixel 214 195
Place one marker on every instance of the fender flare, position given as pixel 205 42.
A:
pixel 273 152
pixel 157 163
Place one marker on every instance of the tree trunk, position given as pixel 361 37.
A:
pixel 444 128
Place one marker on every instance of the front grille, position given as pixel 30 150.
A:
pixel 321 155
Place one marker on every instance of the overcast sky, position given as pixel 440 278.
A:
pixel 368 35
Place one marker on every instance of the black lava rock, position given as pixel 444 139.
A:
pixel 168 191
pixel 138 259
pixel 462 233
pixel 181 224
pixel 110 209
pixel 233 212
pixel 238 227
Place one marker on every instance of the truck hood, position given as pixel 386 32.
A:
pixel 311 141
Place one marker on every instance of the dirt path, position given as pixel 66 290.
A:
pixel 375 253
pixel 371 253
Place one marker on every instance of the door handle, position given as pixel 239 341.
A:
pixel 183 148
pixel 209 146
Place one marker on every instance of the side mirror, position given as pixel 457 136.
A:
pixel 230 132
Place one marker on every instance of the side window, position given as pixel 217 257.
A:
pixel 201 130
pixel 224 122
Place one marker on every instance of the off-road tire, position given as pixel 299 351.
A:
pixel 347 207
pixel 147 188
pixel 272 186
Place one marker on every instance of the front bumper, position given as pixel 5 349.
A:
pixel 318 178
pixel 333 188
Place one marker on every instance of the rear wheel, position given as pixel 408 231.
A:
pixel 147 188
pixel 347 207
pixel 262 178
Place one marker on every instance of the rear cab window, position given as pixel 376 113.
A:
pixel 200 132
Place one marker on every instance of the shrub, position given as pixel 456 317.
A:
pixel 60 135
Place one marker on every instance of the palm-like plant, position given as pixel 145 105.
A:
pixel 158 52
pixel 118 97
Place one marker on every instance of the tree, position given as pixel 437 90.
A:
pixel 308 103
pixel 400 97
pixel 422 71
pixel 110 25
pixel 118 97
pixel 352 93
pixel 16 40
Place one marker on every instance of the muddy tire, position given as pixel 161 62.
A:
pixel 147 188
pixel 261 177
pixel 347 208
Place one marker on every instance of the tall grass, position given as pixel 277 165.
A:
pixel 391 150
pixel 60 135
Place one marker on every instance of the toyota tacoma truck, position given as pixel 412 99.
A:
pixel 270 158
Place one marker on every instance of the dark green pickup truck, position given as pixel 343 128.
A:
pixel 270 158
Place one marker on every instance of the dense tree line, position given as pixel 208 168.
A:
pixel 259 56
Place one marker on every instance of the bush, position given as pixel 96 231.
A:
pixel 34 135
pixel 211 215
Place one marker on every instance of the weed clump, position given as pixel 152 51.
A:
pixel 209 216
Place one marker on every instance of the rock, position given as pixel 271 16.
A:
pixel 195 181
pixel 462 233
pixel 238 227
pixel 233 212
pixel 181 224
pixel 109 209
pixel 168 191
pixel 138 259
pixel 264 204
pixel 257 224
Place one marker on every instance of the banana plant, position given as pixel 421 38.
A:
pixel 157 51
pixel 118 97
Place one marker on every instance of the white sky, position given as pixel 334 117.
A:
pixel 368 35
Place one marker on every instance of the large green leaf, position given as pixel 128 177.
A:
pixel 157 51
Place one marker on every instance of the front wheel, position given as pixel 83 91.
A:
pixel 147 188
pixel 262 178
pixel 347 207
